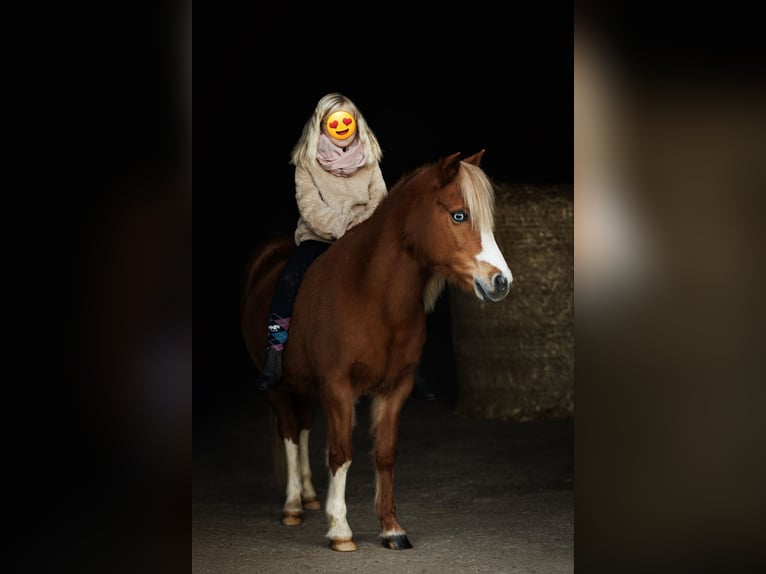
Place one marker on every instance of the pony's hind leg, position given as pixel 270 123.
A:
pixel 305 419
pixel 292 512
pixel 287 425
pixel 308 494
pixel 340 414
pixel 385 424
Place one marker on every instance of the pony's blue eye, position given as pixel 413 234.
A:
pixel 459 216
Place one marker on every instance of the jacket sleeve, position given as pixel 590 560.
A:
pixel 323 220
pixel 377 190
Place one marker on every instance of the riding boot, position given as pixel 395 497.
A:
pixel 272 370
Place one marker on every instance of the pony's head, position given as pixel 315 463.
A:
pixel 450 226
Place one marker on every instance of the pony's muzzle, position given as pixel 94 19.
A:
pixel 494 291
pixel 501 283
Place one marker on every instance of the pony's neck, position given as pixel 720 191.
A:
pixel 391 270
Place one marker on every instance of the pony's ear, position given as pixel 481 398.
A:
pixel 450 165
pixel 475 159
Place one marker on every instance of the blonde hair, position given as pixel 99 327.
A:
pixel 305 151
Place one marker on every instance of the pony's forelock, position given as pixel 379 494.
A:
pixel 479 195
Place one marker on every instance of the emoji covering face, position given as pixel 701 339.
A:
pixel 340 125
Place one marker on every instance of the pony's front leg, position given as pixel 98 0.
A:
pixel 385 427
pixel 339 409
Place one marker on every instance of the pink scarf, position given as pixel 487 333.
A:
pixel 338 162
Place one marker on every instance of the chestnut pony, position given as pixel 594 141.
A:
pixel 359 325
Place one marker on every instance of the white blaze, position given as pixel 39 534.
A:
pixel 491 253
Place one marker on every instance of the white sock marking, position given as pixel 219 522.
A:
pixel 336 505
pixel 293 495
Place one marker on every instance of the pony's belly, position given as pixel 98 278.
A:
pixel 354 351
pixel 367 378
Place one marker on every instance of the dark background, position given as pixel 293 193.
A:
pixel 429 85
pixel 97 227
pixel 99 468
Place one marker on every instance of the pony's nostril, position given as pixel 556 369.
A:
pixel 501 283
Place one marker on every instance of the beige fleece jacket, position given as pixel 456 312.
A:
pixel 329 205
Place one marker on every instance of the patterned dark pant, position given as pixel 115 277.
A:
pixel 287 288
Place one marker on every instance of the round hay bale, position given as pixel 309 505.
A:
pixel 515 358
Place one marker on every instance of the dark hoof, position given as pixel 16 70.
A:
pixel 420 390
pixel 396 542
pixel 423 395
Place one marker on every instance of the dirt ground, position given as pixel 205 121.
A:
pixel 473 495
